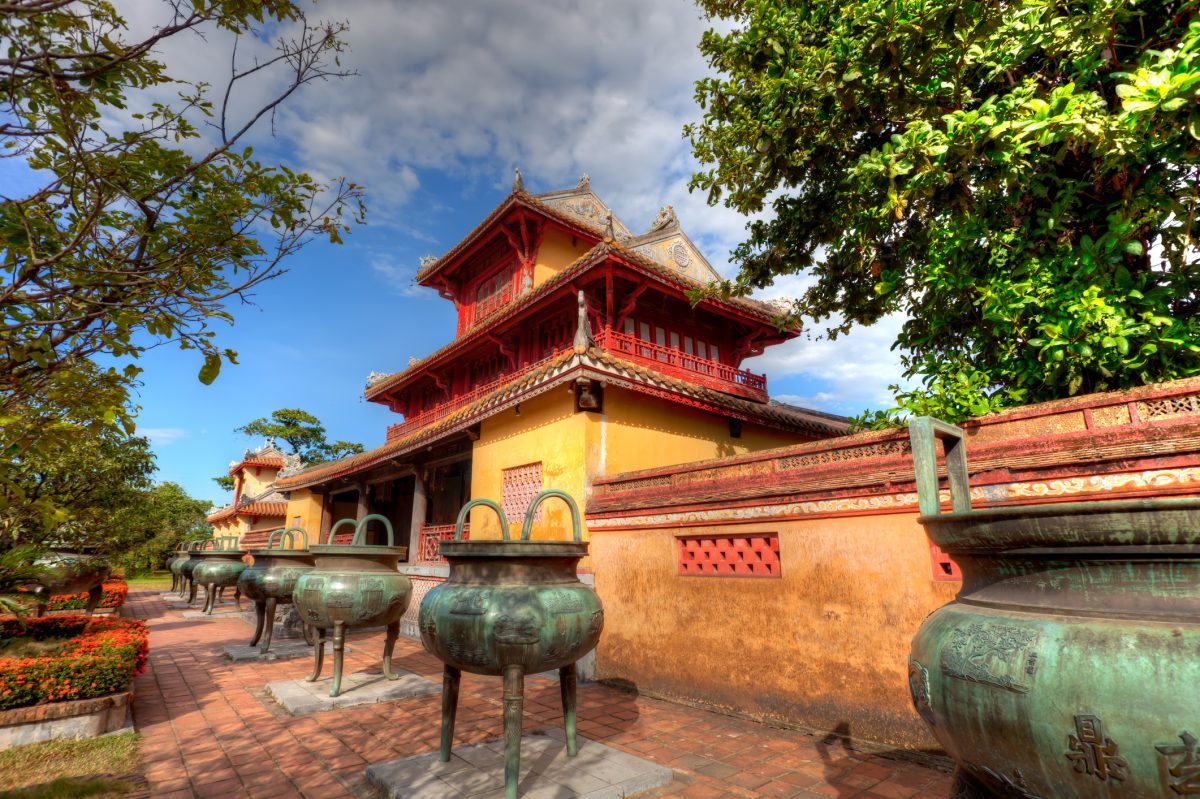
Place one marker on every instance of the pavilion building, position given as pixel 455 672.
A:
pixel 579 353
pixel 257 508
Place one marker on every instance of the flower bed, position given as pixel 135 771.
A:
pixel 96 657
pixel 115 592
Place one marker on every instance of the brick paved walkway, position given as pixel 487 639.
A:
pixel 210 730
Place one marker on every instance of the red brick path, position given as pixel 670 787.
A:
pixel 210 730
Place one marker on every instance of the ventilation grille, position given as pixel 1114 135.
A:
pixel 754 555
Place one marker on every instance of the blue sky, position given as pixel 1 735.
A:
pixel 448 99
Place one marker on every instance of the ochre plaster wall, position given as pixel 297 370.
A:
pixel 825 645
pixel 307 506
pixel 642 432
pixel 256 480
pixel 555 254
pixel 548 430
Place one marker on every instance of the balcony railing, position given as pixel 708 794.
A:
pixel 456 403
pixel 429 540
pixel 677 363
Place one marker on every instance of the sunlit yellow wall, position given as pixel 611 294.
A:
pixel 548 430
pixel 555 254
pixel 642 432
pixel 306 506
pixel 254 484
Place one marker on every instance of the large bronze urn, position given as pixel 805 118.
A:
pixel 511 608
pixel 173 564
pixel 187 567
pixel 353 585
pixel 70 570
pixel 218 569
pixel 270 580
pixel 1068 666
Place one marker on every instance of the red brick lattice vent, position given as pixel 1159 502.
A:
pixel 751 555
pixel 944 569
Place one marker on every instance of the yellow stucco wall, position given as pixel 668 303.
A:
pixel 634 432
pixel 305 506
pixel 637 431
pixel 555 254
pixel 256 480
pixel 853 592
pixel 547 431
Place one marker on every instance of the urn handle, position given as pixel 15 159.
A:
pixel 288 534
pixel 360 531
pixel 333 530
pixel 576 526
pixel 465 514
pixel 923 432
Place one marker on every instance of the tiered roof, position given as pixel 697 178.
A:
pixel 267 503
pixel 563 368
pixel 601 253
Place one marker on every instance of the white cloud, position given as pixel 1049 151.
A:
pixel 854 370
pixel 399 277
pixel 163 436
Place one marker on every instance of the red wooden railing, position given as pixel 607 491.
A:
pixel 429 539
pixel 461 401
pixel 677 363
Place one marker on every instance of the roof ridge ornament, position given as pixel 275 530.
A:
pixel 609 234
pixel 666 218
pixel 518 181
pixel 584 182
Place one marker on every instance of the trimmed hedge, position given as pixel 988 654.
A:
pixel 99 656
pixel 115 592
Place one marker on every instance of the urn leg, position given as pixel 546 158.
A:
pixel 318 656
pixel 237 597
pixel 389 646
pixel 95 594
pixel 174 583
pixel 310 635
pixel 210 592
pixel 450 680
pixel 259 612
pixel 270 626
pixel 339 654
pixel 191 591
pixel 514 705
pixel 566 684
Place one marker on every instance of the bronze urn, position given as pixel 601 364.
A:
pixel 218 568
pixel 70 570
pixel 187 566
pixel 353 585
pixel 270 580
pixel 511 608
pixel 1068 666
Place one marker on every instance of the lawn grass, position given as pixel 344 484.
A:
pixel 69 768
pixel 157 580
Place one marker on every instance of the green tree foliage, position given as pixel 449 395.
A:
pixel 144 223
pixel 148 214
pixel 159 521
pixel 302 432
pixel 1019 179
pixel 96 485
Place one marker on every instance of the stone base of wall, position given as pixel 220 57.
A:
pixel 83 718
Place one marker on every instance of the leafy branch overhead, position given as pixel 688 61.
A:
pixel 148 217
pixel 1019 180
